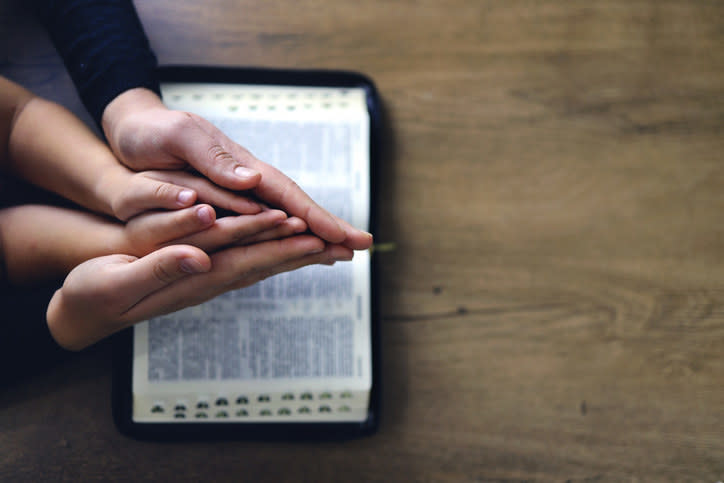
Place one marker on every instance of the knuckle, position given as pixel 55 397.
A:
pixel 289 188
pixel 162 274
pixel 277 249
pixel 219 156
pixel 307 211
pixel 163 191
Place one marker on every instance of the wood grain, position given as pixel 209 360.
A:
pixel 553 180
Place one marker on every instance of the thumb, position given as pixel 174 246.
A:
pixel 203 146
pixel 159 269
pixel 98 295
pixel 154 272
pixel 145 193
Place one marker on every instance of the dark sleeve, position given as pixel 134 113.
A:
pixel 103 46
pixel 26 346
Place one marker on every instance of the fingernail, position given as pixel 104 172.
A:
pixel 245 173
pixel 185 197
pixel 345 258
pixel 205 214
pixel 189 265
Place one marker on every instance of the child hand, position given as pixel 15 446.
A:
pixel 40 242
pixel 107 294
pixel 199 227
pixel 130 194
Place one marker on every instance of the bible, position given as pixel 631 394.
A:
pixel 295 355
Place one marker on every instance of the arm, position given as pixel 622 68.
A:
pixel 26 346
pixel 102 41
pixel 106 53
pixel 103 46
pixel 49 147
pixel 110 292
pixel 40 242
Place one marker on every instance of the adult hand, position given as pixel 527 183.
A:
pixel 145 135
pixel 107 294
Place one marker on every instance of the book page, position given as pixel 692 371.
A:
pixel 296 346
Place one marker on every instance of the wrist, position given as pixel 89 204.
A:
pixel 109 188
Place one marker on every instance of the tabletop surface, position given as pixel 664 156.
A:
pixel 552 178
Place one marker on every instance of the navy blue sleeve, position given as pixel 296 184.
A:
pixel 26 346
pixel 103 46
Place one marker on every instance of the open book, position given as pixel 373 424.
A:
pixel 295 349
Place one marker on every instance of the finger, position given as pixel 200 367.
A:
pixel 146 194
pixel 204 147
pixel 160 269
pixel 332 254
pixel 137 279
pixel 233 229
pixel 278 190
pixel 282 192
pixel 356 239
pixel 155 229
pixel 208 192
pixel 236 265
pixel 289 227
pixel 231 268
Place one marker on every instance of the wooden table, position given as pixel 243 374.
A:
pixel 553 178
